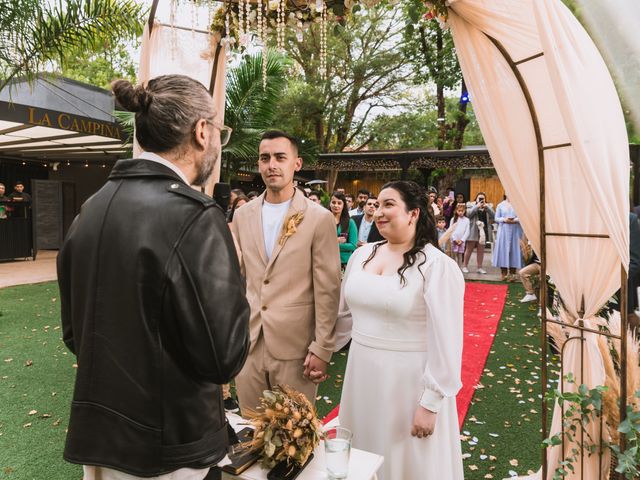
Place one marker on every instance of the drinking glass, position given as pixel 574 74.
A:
pixel 337 447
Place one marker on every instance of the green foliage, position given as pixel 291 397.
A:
pixel 580 408
pixel 629 459
pixel 250 107
pixel 432 54
pixel 366 69
pixel 421 41
pixel 101 68
pixel 35 34
pixel 417 127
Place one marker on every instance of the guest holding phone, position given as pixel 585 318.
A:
pixel 345 227
pixel 481 217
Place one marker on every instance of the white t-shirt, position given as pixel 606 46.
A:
pixel 272 218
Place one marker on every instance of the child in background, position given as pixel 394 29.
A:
pixel 441 227
pixel 460 233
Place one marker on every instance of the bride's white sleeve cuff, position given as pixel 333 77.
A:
pixel 431 400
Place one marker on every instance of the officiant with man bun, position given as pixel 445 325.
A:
pixel 153 304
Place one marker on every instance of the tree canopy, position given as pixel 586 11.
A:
pixel 366 70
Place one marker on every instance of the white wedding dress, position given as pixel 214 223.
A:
pixel 406 351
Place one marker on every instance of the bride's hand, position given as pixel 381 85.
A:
pixel 424 422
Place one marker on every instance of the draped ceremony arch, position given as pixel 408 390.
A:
pixel 552 122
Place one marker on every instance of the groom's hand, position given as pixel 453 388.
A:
pixel 315 369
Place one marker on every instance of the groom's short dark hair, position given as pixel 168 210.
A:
pixel 271 134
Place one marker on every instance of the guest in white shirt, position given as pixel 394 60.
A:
pixel 363 196
pixel 367 230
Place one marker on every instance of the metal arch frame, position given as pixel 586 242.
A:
pixel 543 273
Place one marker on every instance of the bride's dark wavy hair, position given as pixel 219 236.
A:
pixel 414 197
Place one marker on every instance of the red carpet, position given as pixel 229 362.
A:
pixel 483 304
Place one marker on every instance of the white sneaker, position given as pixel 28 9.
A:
pixel 465 270
pixel 529 297
pixel 482 271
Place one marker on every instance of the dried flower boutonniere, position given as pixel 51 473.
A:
pixel 289 227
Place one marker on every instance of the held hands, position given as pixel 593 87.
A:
pixel 342 240
pixel 315 369
pixel 424 422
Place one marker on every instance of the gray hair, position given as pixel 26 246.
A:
pixel 166 109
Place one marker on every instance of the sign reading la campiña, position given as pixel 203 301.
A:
pixel 66 121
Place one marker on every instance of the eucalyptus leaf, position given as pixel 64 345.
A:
pixel 269 396
pixel 269 449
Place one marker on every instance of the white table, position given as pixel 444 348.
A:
pixel 362 465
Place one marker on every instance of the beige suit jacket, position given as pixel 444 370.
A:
pixel 294 296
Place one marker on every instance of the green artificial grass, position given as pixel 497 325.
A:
pixel 37 372
pixel 501 434
pixel 36 382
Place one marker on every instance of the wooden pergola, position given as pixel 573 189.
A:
pixel 404 160
pixel 427 160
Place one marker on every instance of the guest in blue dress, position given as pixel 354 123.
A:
pixel 506 253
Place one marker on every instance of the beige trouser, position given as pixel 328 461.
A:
pixel 525 275
pixel 263 372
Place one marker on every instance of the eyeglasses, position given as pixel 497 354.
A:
pixel 225 132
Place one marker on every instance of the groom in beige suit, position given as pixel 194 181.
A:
pixel 289 255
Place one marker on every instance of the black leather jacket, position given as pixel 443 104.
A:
pixel 154 307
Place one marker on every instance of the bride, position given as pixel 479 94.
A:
pixel 405 297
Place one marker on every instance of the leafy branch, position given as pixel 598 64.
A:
pixel 35 34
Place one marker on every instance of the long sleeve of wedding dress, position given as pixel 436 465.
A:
pixel 444 299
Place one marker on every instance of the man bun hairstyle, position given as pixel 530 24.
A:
pixel 166 109
pixel 130 97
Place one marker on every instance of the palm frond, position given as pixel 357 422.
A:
pixel 35 33
pixel 250 107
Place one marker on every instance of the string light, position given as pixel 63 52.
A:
pixel 265 31
pixel 323 39
pixel 247 12
pixel 299 35
pixel 228 41
pixel 193 20
pixel 241 33
pixel 172 22
pixel 281 24
pixel 259 21
pixel 210 19
pixel 356 162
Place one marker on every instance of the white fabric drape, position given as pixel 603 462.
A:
pixel 175 51
pixel 575 101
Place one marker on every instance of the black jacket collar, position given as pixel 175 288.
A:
pixel 137 167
